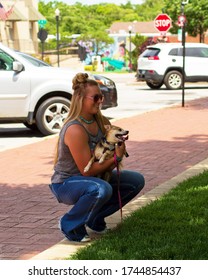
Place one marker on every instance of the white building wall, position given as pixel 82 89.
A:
pixel 19 31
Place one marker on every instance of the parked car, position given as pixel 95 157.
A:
pixel 36 94
pixel 163 64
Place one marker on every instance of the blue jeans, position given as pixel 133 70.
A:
pixel 93 200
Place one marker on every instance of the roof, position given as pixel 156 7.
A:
pixel 34 14
pixel 137 27
pixel 19 13
pixel 16 15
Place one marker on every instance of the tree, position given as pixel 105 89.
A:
pixel 196 12
pixel 138 41
pixel 88 21
pixel 99 38
pixel 148 10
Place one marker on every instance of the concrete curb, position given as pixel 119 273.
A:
pixel 64 248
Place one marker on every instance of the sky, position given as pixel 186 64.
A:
pixel 91 2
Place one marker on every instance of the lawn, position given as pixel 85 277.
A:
pixel 174 227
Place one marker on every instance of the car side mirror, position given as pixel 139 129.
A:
pixel 17 66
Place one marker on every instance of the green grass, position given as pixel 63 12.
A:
pixel 170 228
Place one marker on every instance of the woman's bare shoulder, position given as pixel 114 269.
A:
pixel 75 129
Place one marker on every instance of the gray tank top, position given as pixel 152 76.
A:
pixel 66 166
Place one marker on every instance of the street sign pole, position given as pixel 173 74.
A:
pixel 42 35
pixel 184 55
pixel 182 23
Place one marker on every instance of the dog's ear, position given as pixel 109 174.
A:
pixel 107 127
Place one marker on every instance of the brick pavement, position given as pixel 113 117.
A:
pixel 162 144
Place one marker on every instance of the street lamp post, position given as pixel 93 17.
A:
pixel 57 13
pixel 130 60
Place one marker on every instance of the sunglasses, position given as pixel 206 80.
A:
pixel 96 97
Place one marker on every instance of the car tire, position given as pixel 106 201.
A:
pixel 154 85
pixel 31 126
pixel 173 80
pixel 51 115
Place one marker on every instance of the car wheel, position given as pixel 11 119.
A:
pixel 154 85
pixel 51 115
pixel 173 80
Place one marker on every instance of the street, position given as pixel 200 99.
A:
pixel 133 98
pixel 136 98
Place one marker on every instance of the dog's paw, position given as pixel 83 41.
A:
pixel 86 169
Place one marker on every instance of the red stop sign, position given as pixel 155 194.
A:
pixel 162 22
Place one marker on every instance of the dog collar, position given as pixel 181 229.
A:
pixel 111 146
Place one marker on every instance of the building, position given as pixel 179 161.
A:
pixel 148 29
pixel 142 28
pixel 20 30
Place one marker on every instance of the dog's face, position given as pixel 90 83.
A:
pixel 115 134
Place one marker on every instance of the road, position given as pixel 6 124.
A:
pixel 133 98
pixel 136 98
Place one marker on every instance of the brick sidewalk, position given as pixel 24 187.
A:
pixel 162 144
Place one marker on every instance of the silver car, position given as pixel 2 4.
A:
pixel 36 94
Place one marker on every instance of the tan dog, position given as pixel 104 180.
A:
pixel 106 147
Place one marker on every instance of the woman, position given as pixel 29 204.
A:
pixel 93 198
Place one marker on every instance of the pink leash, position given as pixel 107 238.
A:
pixel 118 180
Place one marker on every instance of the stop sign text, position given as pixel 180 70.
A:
pixel 162 22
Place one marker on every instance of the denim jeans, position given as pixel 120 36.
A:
pixel 93 199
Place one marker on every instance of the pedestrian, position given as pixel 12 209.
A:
pixel 93 199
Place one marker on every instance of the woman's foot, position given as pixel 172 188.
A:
pixel 77 235
pixel 102 231
pixel 72 236
pixel 97 226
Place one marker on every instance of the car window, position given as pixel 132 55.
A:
pixel 174 52
pixel 194 52
pixel 150 52
pixel 204 52
pixel 33 60
pixel 6 61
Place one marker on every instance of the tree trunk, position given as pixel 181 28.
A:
pixel 201 35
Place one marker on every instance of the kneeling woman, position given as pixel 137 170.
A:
pixel 92 198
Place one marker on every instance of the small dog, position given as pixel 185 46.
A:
pixel 106 147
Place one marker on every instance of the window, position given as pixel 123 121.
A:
pixel 174 52
pixel 204 52
pixel 195 52
pixel 6 61
pixel 150 52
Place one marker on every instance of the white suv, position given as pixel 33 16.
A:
pixel 163 64
pixel 37 94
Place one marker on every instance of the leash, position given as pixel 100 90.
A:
pixel 118 183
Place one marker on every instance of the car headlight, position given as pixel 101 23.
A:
pixel 104 81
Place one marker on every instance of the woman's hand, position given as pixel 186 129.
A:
pixel 120 149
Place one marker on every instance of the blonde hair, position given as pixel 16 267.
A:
pixel 80 83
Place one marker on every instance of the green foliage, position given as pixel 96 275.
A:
pixel 149 9
pixel 93 21
pixel 138 41
pixel 174 227
pixel 196 13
